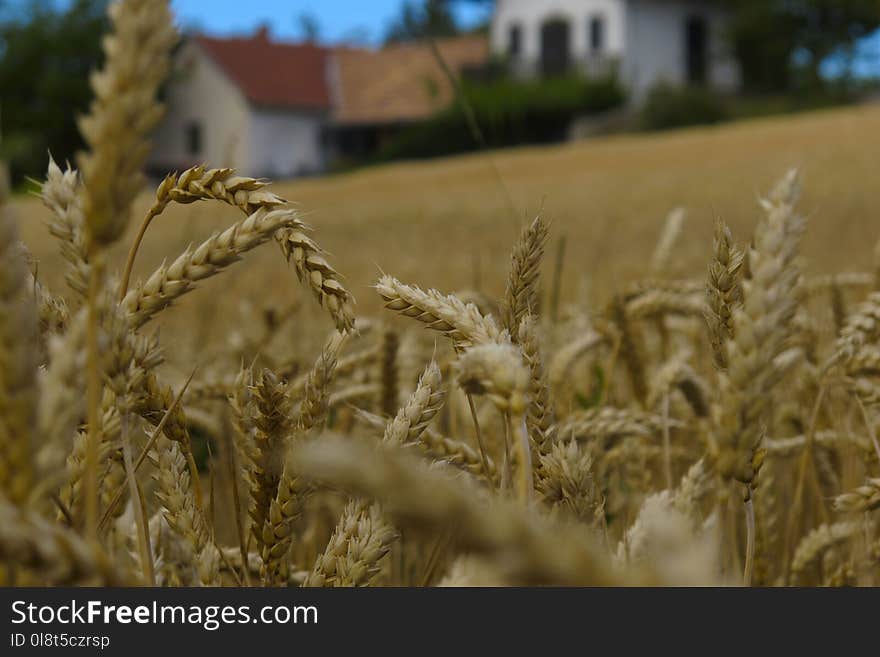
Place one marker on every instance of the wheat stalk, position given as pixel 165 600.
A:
pixel 420 497
pixel 18 365
pixel 57 555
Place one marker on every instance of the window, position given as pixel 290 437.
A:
pixel 514 43
pixel 194 138
pixel 597 34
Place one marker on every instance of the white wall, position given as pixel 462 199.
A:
pixel 656 50
pixel 200 93
pixel 284 144
pixel 646 36
pixel 530 15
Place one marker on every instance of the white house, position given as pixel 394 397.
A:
pixel 250 103
pixel 280 110
pixel 645 41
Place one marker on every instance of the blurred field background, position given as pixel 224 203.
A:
pixel 449 223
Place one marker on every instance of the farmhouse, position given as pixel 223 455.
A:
pixel 644 41
pixel 248 103
pixel 283 110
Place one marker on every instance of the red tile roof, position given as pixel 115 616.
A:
pixel 402 82
pixel 270 74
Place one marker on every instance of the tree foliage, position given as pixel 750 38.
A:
pixel 782 44
pixel 45 59
pixel 419 19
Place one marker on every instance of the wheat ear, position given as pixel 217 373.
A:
pixel 521 295
pixel 315 272
pixel 292 490
pixel 201 184
pixel 540 416
pixel 362 537
pixel 462 323
pixel 819 541
pixel 62 196
pixel 863 498
pixel 175 492
pixel 761 327
pixel 861 327
pixel 529 549
pixel 170 282
pixel 565 481
pixel 273 423
pixel 438 447
pixel 499 372
pixel 123 113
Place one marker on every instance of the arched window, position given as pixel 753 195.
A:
pixel 555 47
pixel 597 34
pixel 514 41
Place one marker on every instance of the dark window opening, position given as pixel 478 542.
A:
pixel 555 47
pixel 514 44
pixel 696 45
pixel 194 138
pixel 597 34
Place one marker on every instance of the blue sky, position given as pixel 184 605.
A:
pixel 366 21
pixel 338 19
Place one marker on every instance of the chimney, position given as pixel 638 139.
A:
pixel 262 33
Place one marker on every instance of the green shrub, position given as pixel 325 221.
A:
pixel 508 112
pixel 668 106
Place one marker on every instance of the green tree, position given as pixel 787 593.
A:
pixel 309 27
pixel 419 19
pixel 46 55
pixel 783 44
pixel 775 40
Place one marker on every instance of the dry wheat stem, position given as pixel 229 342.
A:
pixel 57 555
pixel 18 366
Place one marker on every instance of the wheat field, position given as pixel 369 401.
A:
pixel 652 360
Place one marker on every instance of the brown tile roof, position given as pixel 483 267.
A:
pixel 272 74
pixel 400 83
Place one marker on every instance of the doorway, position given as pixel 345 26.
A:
pixel 555 47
